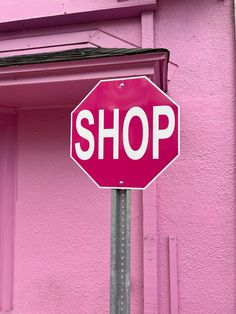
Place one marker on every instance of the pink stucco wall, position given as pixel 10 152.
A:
pixel 62 224
pixel 196 196
pixel 63 220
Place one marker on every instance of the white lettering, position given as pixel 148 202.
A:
pixel 158 133
pixel 83 132
pixel 104 133
pixel 135 112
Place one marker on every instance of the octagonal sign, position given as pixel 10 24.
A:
pixel 124 133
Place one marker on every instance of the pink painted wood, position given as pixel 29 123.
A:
pixel 173 273
pixel 147 29
pixel 30 14
pixel 7 205
pixel 59 80
pixel 57 39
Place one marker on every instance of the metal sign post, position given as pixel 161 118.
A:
pixel 120 253
pixel 130 128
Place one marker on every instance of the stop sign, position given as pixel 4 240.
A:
pixel 124 133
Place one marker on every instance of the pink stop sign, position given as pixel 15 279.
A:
pixel 124 133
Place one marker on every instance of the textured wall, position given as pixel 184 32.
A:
pixel 62 224
pixel 196 196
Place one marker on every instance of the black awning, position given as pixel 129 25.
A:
pixel 75 54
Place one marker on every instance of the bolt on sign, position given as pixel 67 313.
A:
pixel 124 133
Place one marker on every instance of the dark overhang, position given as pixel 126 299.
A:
pixel 76 54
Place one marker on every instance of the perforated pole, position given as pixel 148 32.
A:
pixel 120 253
